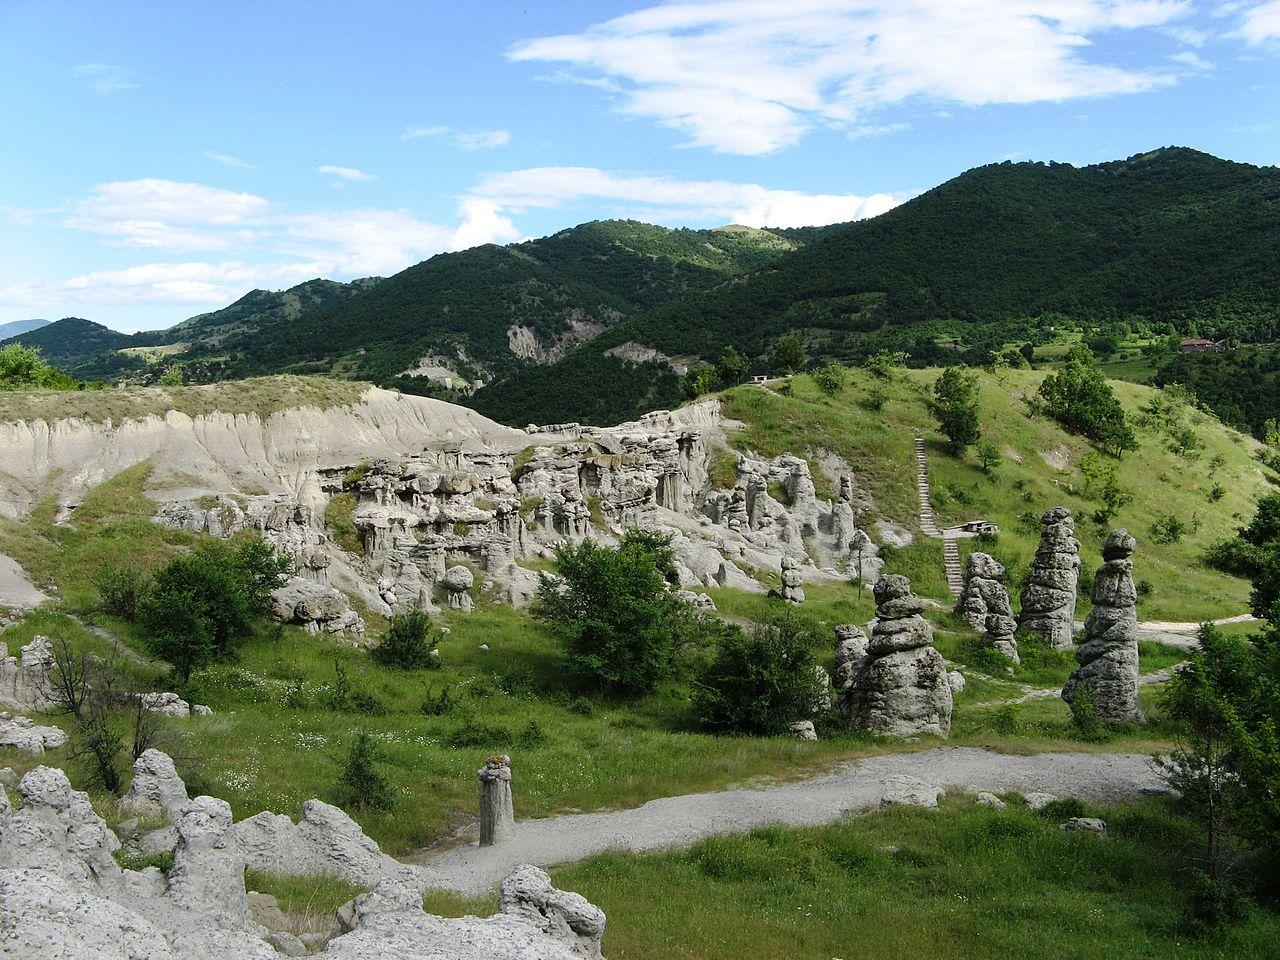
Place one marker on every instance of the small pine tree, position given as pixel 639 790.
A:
pixel 408 642
pixel 361 784
pixel 955 407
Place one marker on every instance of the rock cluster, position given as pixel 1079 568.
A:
pixel 315 607
pixel 62 894
pixel 1049 595
pixel 1108 653
pixel 901 687
pixel 983 591
pixel 23 733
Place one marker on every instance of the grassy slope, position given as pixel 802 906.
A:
pixel 960 882
pixel 260 395
pixel 878 444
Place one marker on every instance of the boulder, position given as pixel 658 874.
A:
pixel 1084 825
pixel 991 801
pixel 803 730
pixel 1038 801
pixel 23 733
pixel 909 792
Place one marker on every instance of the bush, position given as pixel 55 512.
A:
pixel 830 378
pixel 361 784
pixel 1080 399
pixel 199 607
pixel 119 590
pixel 408 641
pixel 479 734
pixel 1168 529
pixel 614 610
pixel 439 704
pixel 1063 809
pixel 762 681
pixel 955 407
pixel 1086 722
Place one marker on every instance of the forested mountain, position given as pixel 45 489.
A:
pixel 70 342
pixel 262 308
pixel 490 310
pixel 1174 240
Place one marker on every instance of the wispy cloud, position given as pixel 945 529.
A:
pixel 105 79
pixel 1193 60
pixel 229 161
pixel 462 139
pixel 752 77
pixel 1260 23
pixel 877 130
pixel 349 174
pixel 667 199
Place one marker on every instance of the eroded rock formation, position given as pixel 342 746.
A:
pixel 983 591
pixel 1049 595
pixel 1108 653
pixel 900 688
pixel 497 818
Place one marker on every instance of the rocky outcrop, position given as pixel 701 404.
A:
pixel 323 841
pixel 24 679
pixel 315 608
pixel 63 895
pixel 23 733
pixel 1108 653
pixel 1049 595
pixel 457 582
pixel 156 790
pixel 900 688
pixel 983 591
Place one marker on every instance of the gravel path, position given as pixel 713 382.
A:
pixel 851 787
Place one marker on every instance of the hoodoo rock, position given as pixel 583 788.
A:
pixel 900 688
pixel 851 655
pixel 983 591
pixel 497 818
pixel 1000 635
pixel 792 591
pixel 156 788
pixel 1049 595
pixel 1108 653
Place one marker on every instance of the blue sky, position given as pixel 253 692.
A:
pixel 163 158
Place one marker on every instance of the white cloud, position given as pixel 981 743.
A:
pixel 229 161
pixel 1192 60
pixel 274 247
pixel 671 200
pixel 877 130
pixel 168 215
pixel 753 76
pixel 462 139
pixel 350 174
pixel 105 79
pixel 1260 23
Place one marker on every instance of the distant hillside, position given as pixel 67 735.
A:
pixel 15 327
pixel 494 310
pixel 70 342
pixel 262 308
pixel 1174 239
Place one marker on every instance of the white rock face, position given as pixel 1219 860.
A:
pixel 315 607
pixel 22 733
pixel 156 789
pixel 62 895
pixel 24 678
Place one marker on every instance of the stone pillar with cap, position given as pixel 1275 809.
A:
pixel 497 819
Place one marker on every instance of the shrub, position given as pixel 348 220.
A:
pixel 200 606
pixel 119 590
pixel 830 378
pixel 532 735
pixel 614 612
pixel 1168 529
pixel 989 457
pixel 787 355
pixel 761 681
pixel 1080 399
pixel 955 407
pixel 876 398
pixel 361 784
pixel 440 704
pixel 1086 722
pixel 1065 808
pixel 479 734
pixel 408 641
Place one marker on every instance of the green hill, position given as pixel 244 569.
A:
pixel 1169 241
pixel 71 342
pixel 491 310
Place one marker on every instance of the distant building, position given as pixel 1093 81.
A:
pixel 1197 345
pixel 760 379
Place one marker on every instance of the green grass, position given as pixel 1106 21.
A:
pixel 1040 470
pixel 959 883
pixel 308 902
pixel 338 514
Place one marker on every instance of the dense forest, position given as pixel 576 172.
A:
pixel 1242 386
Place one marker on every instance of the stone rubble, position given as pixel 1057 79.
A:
pixel 22 733
pixel 1049 594
pixel 62 894
pixel 1108 652
pixel 900 688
